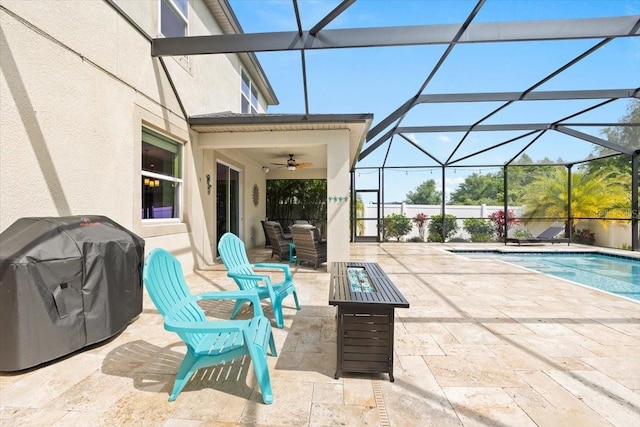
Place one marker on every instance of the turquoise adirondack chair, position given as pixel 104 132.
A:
pixel 234 257
pixel 209 343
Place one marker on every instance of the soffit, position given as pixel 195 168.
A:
pixel 227 122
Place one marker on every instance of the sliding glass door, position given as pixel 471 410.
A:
pixel 227 200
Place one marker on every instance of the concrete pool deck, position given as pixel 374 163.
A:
pixel 483 343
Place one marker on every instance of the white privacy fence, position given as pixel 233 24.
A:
pixel 615 235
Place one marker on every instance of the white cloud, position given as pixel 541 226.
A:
pixel 454 180
pixel 411 137
pixel 444 138
pixel 451 184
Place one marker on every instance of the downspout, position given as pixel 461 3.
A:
pixel 569 200
pixel 635 245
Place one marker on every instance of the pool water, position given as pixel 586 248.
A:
pixel 615 274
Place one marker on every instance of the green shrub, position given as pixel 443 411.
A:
pixel 416 239
pixel 480 229
pixel 437 226
pixel 522 233
pixel 396 226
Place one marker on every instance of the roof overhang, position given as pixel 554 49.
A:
pixel 358 125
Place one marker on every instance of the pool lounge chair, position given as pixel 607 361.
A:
pixel 550 235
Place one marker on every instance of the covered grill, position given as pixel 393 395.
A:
pixel 65 283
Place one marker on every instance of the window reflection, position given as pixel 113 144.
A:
pixel 161 176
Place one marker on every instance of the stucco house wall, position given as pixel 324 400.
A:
pixel 78 84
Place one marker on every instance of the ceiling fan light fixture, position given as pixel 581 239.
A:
pixel 292 164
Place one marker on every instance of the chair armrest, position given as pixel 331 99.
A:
pixel 257 278
pixel 283 267
pixel 250 295
pixel 271 265
pixel 204 327
pixel 254 277
pixel 235 294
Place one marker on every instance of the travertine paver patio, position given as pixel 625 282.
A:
pixel 483 343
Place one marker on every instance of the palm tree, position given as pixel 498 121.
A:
pixel 598 194
pixel 359 214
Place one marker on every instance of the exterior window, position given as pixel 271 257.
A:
pixel 174 17
pixel 249 97
pixel 161 176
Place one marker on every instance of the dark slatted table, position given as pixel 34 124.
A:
pixel 365 317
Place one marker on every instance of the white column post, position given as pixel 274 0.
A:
pixel 338 209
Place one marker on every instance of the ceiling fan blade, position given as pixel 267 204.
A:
pixel 292 163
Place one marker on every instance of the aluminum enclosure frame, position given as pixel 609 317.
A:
pixel 602 30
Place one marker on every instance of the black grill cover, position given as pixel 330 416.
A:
pixel 65 283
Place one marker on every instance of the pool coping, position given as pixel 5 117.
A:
pixel 635 257
pixel 531 252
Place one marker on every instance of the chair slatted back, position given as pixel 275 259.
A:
pixel 551 232
pixel 234 256
pixel 168 290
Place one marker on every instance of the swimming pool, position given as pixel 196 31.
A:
pixel 616 274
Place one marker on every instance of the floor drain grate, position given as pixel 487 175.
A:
pixel 382 409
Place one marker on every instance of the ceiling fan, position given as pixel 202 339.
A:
pixel 292 164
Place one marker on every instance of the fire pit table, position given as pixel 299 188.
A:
pixel 366 299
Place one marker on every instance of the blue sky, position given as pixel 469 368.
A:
pixel 379 80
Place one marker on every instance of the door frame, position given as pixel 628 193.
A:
pixel 354 225
pixel 239 207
